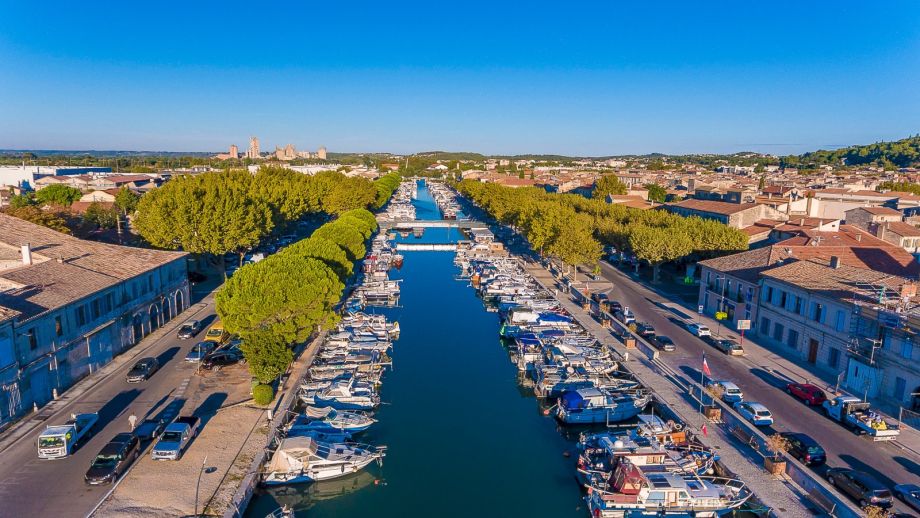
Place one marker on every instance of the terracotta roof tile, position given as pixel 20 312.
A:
pixel 713 207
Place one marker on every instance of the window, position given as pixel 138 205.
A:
pixel 782 299
pixel 109 302
pixel 81 315
pixel 841 320
pixel 768 294
pixel 792 339
pixel 150 282
pixel 750 294
pixel 907 349
pixel 833 357
pixel 817 312
pixel 778 331
pixel 95 306
pixel 33 340
pixel 900 385
pixel 765 325
pixel 797 306
pixel 58 326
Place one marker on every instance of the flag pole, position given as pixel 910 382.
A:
pixel 702 382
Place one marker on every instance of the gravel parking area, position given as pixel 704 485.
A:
pixel 220 453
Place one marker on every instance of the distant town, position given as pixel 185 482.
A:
pixel 163 315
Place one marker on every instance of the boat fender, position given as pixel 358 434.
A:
pixel 597 513
pixel 566 453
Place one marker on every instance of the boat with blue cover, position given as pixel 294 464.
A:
pixel 594 405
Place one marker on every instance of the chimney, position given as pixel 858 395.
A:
pixel 27 254
pixel 835 262
pixel 859 237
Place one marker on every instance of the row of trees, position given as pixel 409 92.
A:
pixel 573 228
pixel 232 211
pixel 289 295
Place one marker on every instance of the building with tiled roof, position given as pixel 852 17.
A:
pixel 736 215
pixel 68 306
pixel 808 296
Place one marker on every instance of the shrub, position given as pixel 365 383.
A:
pixel 263 394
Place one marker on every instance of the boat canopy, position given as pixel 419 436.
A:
pixel 291 453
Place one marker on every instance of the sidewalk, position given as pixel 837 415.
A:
pixel 793 369
pixel 783 497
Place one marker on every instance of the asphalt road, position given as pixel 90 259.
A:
pixel 30 486
pixel 764 384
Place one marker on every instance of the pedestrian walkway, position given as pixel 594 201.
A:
pixel 783 497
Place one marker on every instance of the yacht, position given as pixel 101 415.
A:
pixel 302 459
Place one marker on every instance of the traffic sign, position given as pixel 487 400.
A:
pixel 699 309
pixel 744 324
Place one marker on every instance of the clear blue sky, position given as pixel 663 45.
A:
pixel 578 78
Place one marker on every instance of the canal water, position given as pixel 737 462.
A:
pixel 464 438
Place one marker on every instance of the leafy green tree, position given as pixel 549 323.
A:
pixel 762 182
pixel 58 194
pixel 35 215
pixel 609 184
pixel 22 200
pixel 576 245
pixel 344 235
pixel 100 216
pixel 326 251
pixel 656 192
pixel 126 200
pixel 210 213
pixel 267 357
pixel 656 245
pixel 284 297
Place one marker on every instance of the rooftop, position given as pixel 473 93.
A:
pixel 843 282
pixel 64 269
pixel 713 207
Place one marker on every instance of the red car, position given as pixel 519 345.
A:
pixel 807 392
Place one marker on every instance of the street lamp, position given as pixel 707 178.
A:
pixel 721 304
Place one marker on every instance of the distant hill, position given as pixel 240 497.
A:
pixel 890 155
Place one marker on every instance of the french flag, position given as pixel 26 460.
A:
pixel 706 370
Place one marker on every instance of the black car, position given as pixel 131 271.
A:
pixel 113 460
pixel 615 306
pixel 645 329
pixel 221 358
pixel 664 343
pixel 860 486
pixel 150 429
pixel 189 330
pixel 142 370
pixel 806 449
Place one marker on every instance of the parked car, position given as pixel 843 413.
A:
pixel 625 315
pixel 615 306
pixel 220 358
pixel 806 449
pixel 909 494
pixel 196 277
pixel 113 460
pixel 730 392
pixel 664 343
pixel 176 437
pixel 808 393
pixel 755 413
pixel 199 351
pixel 600 298
pixel 189 330
pixel 142 370
pixel 645 329
pixel 699 329
pixel 150 429
pixel 727 346
pixel 860 486
pixel 216 333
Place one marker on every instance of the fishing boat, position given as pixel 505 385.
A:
pixel 601 453
pixel 593 405
pixel 629 493
pixel 304 459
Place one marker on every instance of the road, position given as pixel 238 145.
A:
pixel 30 486
pixel 764 382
